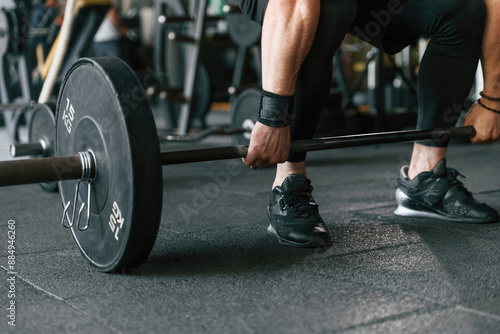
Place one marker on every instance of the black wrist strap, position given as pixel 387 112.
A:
pixel 275 110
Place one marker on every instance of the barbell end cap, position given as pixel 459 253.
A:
pixel 12 151
pixel 44 146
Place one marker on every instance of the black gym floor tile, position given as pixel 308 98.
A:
pixel 450 320
pixel 434 270
pixel 37 216
pixel 489 307
pixel 264 301
pixel 37 311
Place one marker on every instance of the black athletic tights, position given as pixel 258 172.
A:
pixel 446 73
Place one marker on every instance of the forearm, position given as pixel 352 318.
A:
pixel 491 49
pixel 287 34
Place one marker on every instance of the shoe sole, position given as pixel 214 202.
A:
pixel 408 207
pixel 310 244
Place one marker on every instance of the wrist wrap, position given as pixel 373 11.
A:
pixel 275 110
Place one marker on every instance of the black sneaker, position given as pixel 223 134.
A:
pixel 294 215
pixel 440 195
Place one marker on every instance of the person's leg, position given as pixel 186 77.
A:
pixel 427 188
pixel 447 70
pixel 314 80
pixel 293 213
pixel 446 73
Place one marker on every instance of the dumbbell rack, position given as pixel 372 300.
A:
pixel 12 116
pixel 17 49
pixel 12 56
pixel 171 18
pixel 246 35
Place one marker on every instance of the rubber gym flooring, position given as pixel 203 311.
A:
pixel 214 269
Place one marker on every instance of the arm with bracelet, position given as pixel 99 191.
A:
pixel 287 34
pixel 485 114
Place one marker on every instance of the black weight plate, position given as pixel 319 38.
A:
pixel 12 25
pixel 103 108
pixel 42 126
pixel 245 111
pixel 242 30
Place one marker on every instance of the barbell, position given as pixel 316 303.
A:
pixel 106 139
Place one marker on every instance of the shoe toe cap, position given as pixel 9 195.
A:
pixel 314 237
pixel 484 212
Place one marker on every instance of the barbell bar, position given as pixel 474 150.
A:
pixel 106 139
pixel 301 146
pixel 53 169
pixel 16 106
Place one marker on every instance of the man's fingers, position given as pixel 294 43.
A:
pixel 268 146
pixel 249 160
pixel 255 163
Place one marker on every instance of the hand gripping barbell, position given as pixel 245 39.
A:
pixel 106 139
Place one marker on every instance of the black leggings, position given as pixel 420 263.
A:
pixel 446 72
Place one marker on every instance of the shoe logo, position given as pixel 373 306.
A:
pixel 319 229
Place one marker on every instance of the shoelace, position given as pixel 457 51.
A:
pixel 434 194
pixel 301 203
pixel 453 175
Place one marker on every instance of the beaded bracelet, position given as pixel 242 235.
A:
pixel 488 108
pixel 489 98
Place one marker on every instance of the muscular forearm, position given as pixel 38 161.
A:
pixel 491 49
pixel 287 34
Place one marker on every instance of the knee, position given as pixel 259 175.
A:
pixel 459 21
pixel 464 13
pixel 335 18
pixel 337 14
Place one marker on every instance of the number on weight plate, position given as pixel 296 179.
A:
pixel 116 220
pixel 68 115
